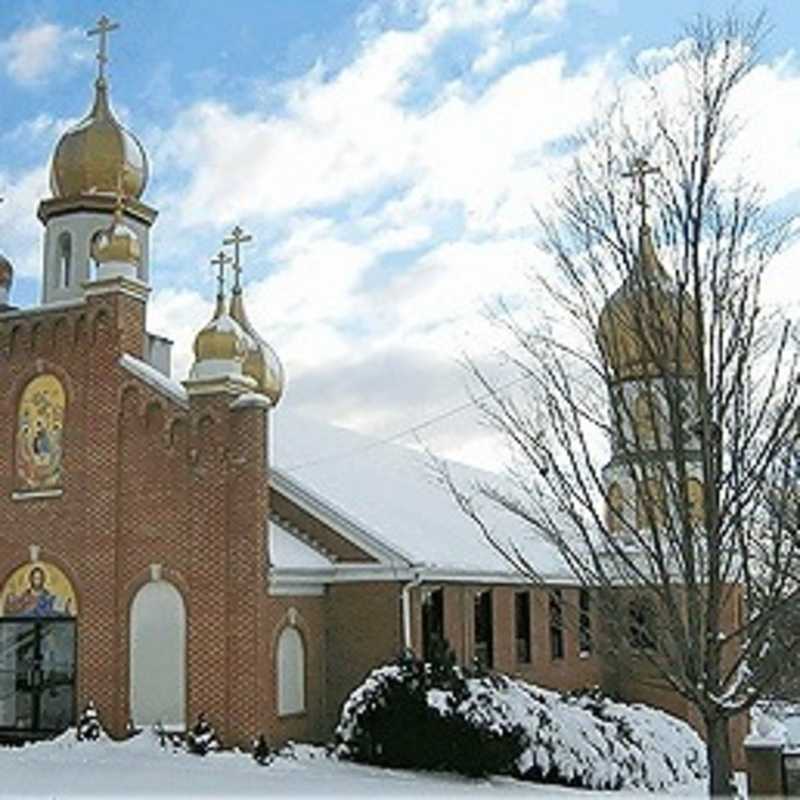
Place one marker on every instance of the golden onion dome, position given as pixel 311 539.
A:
pixel 6 273
pixel 222 339
pixel 261 362
pixel 647 328
pixel 118 243
pixel 91 156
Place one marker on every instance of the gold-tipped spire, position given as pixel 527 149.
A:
pixel 261 362
pixel 647 262
pixel 90 156
pixel 104 27
pixel 222 339
pixel 647 328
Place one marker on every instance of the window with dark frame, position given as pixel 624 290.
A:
pixel 522 626
pixel 484 640
pixel 584 622
pixel 556 625
pixel 432 622
pixel 642 617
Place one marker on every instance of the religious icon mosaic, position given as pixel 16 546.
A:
pixel 38 590
pixel 40 423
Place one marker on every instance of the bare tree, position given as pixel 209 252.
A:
pixel 654 437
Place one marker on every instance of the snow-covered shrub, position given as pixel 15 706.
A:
pixel 262 752
pixel 202 738
pixel 89 728
pixel 405 715
pixel 493 724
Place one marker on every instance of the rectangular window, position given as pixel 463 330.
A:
pixel 556 625
pixel 584 623
pixel 484 644
pixel 522 626
pixel 432 622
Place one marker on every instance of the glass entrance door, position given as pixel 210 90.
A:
pixel 37 675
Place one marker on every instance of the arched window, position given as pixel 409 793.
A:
pixel 158 656
pixel 291 672
pixel 694 492
pixel 650 504
pixel 616 505
pixel 644 419
pixel 64 259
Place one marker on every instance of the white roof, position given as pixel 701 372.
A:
pixel 389 494
pixel 288 552
pixel 384 496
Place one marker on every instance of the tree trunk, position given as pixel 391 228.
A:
pixel 718 749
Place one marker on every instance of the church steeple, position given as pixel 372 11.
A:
pixel 261 362
pixel 93 162
pixel 646 333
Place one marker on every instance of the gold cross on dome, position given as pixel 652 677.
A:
pixel 104 27
pixel 237 238
pixel 221 261
pixel 639 171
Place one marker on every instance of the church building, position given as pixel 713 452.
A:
pixel 171 545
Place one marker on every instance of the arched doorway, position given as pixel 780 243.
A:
pixel 158 656
pixel 38 608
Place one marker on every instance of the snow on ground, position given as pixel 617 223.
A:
pixel 140 768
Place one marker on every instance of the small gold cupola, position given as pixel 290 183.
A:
pixel 90 157
pixel 221 341
pixel 647 327
pixel 6 277
pixel 117 249
pixel 261 362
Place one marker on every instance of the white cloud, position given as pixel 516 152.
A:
pixel 34 53
pixel 21 230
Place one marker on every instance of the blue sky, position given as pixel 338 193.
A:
pixel 385 155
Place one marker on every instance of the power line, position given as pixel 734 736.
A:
pixel 450 412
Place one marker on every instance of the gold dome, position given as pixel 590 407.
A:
pixel 222 339
pixel 261 362
pixel 646 328
pixel 6 273
pixel 90 157
pixel 118 243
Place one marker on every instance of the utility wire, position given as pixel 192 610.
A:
pixel 406 431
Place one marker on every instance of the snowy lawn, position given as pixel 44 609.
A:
pixel 140 768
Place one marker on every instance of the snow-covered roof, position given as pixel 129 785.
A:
pixel 155 379
pixel 383 496
pixel 390 495
pixel 288 552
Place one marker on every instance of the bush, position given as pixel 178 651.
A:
pixel 202 738
pixel 89 728
pixel 420 716
pixel 416 715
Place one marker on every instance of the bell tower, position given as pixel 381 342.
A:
pixel 647 335
pixel 94 162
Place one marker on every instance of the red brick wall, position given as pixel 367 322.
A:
pixel 363 630
pixel 144 482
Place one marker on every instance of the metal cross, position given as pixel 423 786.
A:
pixel 104 27
pixel 221 261
pixel 639 172
pixel 237 238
